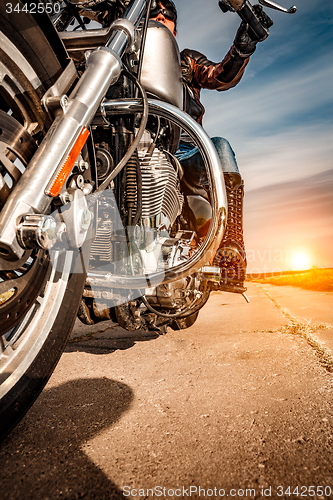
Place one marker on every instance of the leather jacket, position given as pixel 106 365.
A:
pixel 200 73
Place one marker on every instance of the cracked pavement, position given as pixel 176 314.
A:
pixel 241 400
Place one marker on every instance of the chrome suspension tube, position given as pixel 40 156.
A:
pixel 218 198
pixel 119 40
pixel 30 195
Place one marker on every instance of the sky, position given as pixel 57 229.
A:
pixel 279 121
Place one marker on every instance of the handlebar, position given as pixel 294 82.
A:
pixel 258 21
pixel 257 25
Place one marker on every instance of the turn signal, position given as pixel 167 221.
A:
pixel 65 170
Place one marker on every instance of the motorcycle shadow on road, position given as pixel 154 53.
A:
pixel 43 456
pixel 110 341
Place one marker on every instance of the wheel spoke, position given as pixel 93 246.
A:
pixel 4 190
pixel 5 162
pixel 5 348
pixel 2 346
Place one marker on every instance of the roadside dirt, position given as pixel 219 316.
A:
pixel 313 309
pixel 239 403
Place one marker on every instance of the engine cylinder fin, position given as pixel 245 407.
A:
pixel 159 186
pixel 101 247
pixel 131 186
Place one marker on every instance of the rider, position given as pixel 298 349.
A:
pixel 198 72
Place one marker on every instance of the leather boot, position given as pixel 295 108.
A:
pixel 231 256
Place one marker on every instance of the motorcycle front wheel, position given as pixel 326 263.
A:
pixel 39 294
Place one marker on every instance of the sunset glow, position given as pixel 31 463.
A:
pixel 300 261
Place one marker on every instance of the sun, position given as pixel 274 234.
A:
pixel 300 261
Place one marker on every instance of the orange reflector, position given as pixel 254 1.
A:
pixel 64 172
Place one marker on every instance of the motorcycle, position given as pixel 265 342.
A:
pixel 95 219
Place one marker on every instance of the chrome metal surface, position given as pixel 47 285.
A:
pixel 37 231
pixel 135 11
pixel 211 273
pixel 159 186
pixel 79 41
pixel 56 104
pixel 126 26
pixel 62 85
pixel 218 198
pixel 120 39
pixel 77 218
pixel 101 247
pixel 87 39
pixel 103 69
pixel 161 71
pixel 273 5
pixel 201 213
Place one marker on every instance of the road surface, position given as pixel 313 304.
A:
pixel 237 406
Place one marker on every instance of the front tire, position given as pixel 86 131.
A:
pixel 32 349
pixel 39 295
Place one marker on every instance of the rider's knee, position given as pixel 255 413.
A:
pixel 221 144
pixel 226 154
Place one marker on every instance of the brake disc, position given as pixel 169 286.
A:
pixel 16 138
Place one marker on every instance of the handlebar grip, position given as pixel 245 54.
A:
pixel 254 16
pixel 248 15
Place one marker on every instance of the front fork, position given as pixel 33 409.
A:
pixel 33 193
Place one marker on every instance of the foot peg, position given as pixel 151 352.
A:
pixel 214 276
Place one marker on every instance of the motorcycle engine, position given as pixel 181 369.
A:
pixel 162 202
pixel 152 244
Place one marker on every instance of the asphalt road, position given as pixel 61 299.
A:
pixel 239 405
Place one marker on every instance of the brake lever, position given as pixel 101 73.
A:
pixel 273 5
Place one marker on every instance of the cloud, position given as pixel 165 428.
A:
pixel 203 26
pixel 278 120
pixel 274 101
pixel 280 130
pixel 285 156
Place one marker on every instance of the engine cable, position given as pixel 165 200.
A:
pixel 143 39
pixel 135 143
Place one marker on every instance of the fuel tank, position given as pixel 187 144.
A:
pixel 161 72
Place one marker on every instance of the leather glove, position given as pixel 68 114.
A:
pixel 243 42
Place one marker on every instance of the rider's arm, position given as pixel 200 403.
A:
pixel 217 76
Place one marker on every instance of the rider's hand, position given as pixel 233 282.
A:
pixel 243 42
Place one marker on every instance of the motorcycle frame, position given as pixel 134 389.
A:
pixel 103 69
